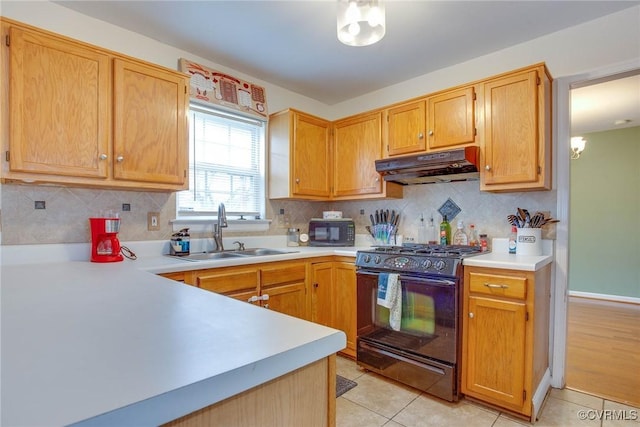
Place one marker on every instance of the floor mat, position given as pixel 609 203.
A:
pixel 343 385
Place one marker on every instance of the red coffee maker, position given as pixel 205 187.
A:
pixel 105 246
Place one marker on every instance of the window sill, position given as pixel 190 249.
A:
pixel 205 224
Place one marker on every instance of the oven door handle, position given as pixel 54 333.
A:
pixel 404 359
pixel 430 280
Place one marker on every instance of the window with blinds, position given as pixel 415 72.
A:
pixel 226 165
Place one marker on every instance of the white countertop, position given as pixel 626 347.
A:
pixel 500 257
pixel 108 344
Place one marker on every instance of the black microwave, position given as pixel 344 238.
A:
pixel 332 232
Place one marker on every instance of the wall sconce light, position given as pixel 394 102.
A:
pixel 577 146
pixel 360 23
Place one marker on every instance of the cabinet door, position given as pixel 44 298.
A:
pixel 311 157
pixel 357 145
pixel 515 139
pixel 345 303
pixel 322 293
pixel 286 287
pixel 495 352
pixel 58 106
pixel 405 128
pixel 150 133
pixel 451 119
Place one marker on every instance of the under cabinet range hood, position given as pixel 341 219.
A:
pixel 443 166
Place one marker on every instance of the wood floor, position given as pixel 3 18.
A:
pixel 603 349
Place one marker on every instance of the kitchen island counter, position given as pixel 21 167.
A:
pixel 109 344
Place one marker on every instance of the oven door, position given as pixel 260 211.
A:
pixel 429 325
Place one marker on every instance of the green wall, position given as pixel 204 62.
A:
pixel 604 228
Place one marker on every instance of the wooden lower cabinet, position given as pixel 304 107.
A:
pixel 285 283
pixel 505 345
pixel 304 397
pixel 334 298
pixel 278 286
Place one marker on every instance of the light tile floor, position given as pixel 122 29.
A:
pixel 377 401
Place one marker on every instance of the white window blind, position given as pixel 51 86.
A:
pixel 226 165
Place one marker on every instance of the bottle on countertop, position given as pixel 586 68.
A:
pixel 513 239
pixel 460 237
pixel 484 243
pixel 422 231
pixel 445 231
pixel 433 233
pixel 473 236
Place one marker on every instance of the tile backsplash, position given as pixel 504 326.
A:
pixel 66 213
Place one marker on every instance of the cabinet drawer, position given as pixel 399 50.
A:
pixel 492 284
pixel 282 274
pixel 226 282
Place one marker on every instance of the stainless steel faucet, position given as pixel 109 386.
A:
pixel 218 226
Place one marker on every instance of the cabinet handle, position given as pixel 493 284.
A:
pixel 297 180
pixel 430 133
pixel 471 315
pixel 315 285
pixel 495 286
pixel 119 159
pixel 103 156
pixel 420 135
pixel 377 179
pixel 488 167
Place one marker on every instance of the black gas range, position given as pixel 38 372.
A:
pixel 422 348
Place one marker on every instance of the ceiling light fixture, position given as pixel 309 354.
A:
pixel 360 23
pixel 577 146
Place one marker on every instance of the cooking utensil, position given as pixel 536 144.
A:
pixel 513 220
pixel 373 222
pixel 523 216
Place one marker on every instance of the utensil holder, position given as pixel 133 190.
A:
pixel 529 241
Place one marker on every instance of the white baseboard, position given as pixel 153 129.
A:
pixel 540 394
pixel 605 297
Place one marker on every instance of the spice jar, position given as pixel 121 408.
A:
pixel 484 244
pixel 293 237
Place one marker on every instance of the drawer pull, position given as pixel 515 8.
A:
pixel 494 286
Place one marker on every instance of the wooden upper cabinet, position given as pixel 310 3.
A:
pixel 149 124
pixel 58 106
pixel 405 127
pixel 451 119
pixel 517 132
pixel 299 156
pixel 357 144
pixel 84 116
pixel 311 151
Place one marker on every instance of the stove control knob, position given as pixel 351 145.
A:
pixel 426 264
pixel 377 259
pixel 367 258
pixel 439 265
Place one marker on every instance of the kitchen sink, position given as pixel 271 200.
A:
pixel 210 256
pixel 261 251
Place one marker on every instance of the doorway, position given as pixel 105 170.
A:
pixel 602 339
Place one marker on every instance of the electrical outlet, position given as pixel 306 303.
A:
pixel 153 221
pixel 409 239
pixel 284 220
